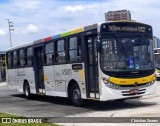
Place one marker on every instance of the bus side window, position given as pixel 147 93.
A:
pixel 49 53
pixel 9 60
pixel 74 49
pixel 21 58
pixel 60 51
pixel 15 59
pixel 29 57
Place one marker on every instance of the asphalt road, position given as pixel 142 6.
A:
pixel 44 106
pixel 38 106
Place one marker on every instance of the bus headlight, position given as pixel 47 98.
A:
pixel 116 86
pixel 111 85
pixel 152 82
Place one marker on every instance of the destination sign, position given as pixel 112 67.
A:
pixel 126 27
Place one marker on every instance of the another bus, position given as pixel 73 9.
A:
pixel 157 62
pixel 107 61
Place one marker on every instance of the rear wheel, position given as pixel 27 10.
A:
pixel 27 90
pixel 75 96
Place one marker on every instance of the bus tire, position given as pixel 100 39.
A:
pixel 26 88
pixel 75 96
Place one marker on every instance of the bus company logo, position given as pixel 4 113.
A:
pixel 21 120
pixel 135 84
pixel 6 120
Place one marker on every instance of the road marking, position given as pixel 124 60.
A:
pixel 2 84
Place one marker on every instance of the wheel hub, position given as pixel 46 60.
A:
pixel 76 94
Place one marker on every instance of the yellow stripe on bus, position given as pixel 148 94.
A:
pixel 81 72
pixel 76 30
pixel 45 77
pixel 124 81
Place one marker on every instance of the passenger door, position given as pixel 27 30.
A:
pixel 38 69
pixel 92 66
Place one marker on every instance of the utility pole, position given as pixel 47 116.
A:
pixel 10 26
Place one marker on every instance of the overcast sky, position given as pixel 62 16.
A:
pixel 35 19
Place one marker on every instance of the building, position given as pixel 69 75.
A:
pixel 118 15
pixel 156 43
pixel 2 66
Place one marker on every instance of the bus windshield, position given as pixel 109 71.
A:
pixel 157 57
pixel 157 60
pixel 127 54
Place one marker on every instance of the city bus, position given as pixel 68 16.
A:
pixel 157 61
pixel 104 61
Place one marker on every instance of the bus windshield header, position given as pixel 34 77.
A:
pixel 125 27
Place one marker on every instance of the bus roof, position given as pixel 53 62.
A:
pixel 20 46
pixel 78 30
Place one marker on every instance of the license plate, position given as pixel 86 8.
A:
pixel 134 91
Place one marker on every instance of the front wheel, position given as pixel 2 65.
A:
pixel 75 96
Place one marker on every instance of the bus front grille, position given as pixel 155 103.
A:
pixel 128 92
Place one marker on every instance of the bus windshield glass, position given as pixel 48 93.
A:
pixel 157 60
pixel 157 57
pixel 127 54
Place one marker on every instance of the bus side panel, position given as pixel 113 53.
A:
pixel 74 73
pixel 30 77
pixel 60 80
pixel 49 80
pixel 101 74
pixel 11 79
pixel 20 74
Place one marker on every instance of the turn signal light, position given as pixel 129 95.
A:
pixel 105 80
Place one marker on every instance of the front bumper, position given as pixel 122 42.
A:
pixel 111 94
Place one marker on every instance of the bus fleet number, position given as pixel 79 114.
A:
pixel 66 72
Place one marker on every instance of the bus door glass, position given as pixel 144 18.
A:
pixel 92 67
pixel 38 69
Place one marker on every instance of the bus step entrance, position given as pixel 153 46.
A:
pixel 41 91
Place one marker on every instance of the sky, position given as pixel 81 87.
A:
pixel 36 19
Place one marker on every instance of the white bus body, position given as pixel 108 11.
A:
pixel 57 79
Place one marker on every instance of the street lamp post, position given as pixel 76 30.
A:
pixel 10 26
